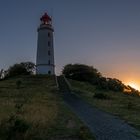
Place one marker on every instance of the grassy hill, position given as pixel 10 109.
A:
pixel 31 108
pixel 123 105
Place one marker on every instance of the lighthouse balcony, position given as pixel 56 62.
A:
pixel 45 26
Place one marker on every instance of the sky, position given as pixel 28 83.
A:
pixel 102 33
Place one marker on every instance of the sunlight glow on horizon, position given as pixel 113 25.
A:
pixel 127 77
pixel 134 85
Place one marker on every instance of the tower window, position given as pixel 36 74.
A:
pixel 49 72
pixel 49 43
pixel 49 62
pixel 49 35
pixel 49 53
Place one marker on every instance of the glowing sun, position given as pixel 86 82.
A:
pixel 134 85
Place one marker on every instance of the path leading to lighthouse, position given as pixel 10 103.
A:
pixel 103 125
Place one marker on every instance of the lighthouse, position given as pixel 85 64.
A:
pixel 45 50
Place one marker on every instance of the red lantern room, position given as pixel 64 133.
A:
pixel 46 19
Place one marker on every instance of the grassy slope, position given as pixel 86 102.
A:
pixel 40 105
pixel 125 106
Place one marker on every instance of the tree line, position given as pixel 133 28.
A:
pixel 79 72
pixel 90 74
pixel 23 68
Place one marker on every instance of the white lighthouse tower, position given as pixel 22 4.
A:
pixel 45 50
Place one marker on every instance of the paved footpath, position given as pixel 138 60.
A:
pixel 103 125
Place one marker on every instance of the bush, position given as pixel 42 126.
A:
pixel 81 72
pixel 24 68
pixel 84 134
pixel 16 69
pixel 101 96
pixel 29 66
pixel 14 128
pixel 18 108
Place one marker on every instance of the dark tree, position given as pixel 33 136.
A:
pixel 16 69
pixel 89 74
pixel 102 83
pixel 81 72
pixel 24 68
pixel 115 84
pixel 29 66
pixel 133 91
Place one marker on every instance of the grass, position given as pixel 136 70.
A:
pixel 31 108
pixel 123 105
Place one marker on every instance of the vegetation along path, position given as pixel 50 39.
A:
pixel 103 125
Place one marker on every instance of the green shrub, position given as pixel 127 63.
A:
pixel 18 108
pixel 24 68
pixel 84 134
pixel 81 72
pixel 13 128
